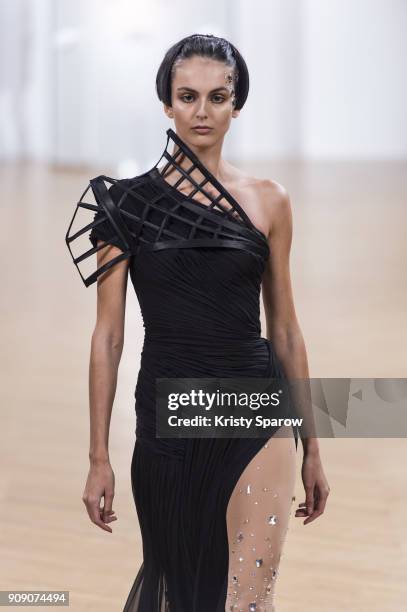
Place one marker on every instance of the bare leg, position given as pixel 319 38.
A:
pixel 257 519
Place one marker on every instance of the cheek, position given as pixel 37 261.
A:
pixel 225 109
pixel 223 113
pixel 177 106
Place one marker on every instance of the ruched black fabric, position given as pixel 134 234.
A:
pixel 200 304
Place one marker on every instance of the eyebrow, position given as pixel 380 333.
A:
pixel 212 91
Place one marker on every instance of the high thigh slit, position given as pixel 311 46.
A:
pixel 196 262
pixel 257 518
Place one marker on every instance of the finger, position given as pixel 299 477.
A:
pixel 322 499
pixel 322 504
pixel 106 514
pixel 309 498
pixel 110 519
pixel 93 509
pixel 319 505
pixel 301 510
pixel 312 517
pixel 108 500
pixel 107 519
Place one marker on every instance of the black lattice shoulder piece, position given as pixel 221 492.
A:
pixel 192 180
pixel 107 227
pixel 148 212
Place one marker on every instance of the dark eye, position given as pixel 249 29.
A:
pixel 186 96
pixel 219 98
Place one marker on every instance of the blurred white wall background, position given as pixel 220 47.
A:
pixel 77 77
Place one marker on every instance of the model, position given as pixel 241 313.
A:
pixel 199 239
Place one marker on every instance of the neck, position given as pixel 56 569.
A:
pixel 209 156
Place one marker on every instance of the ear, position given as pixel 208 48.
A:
pixel 235 113
pixel 168 111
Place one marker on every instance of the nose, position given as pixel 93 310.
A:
pixel 201 112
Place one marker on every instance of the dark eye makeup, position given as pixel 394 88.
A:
pixel 220 98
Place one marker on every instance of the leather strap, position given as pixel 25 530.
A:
pixel 104 199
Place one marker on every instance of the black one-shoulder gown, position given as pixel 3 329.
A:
pixel 196 269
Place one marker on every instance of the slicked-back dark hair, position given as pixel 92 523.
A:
pixel 203 45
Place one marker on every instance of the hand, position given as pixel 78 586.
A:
pixel 316 489
pixel 100 483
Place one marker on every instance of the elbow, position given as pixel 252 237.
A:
pixel 108 338
pixel 288 337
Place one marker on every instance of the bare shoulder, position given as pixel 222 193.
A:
pixel 265 200
pixel 276 203
pixel 272 191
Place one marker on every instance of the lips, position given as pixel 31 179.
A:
pixel 202 129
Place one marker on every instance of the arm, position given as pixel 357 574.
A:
pixel 105 355
pixel 284 331
pixel 281 320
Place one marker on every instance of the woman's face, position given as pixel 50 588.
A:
pixel 202 94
